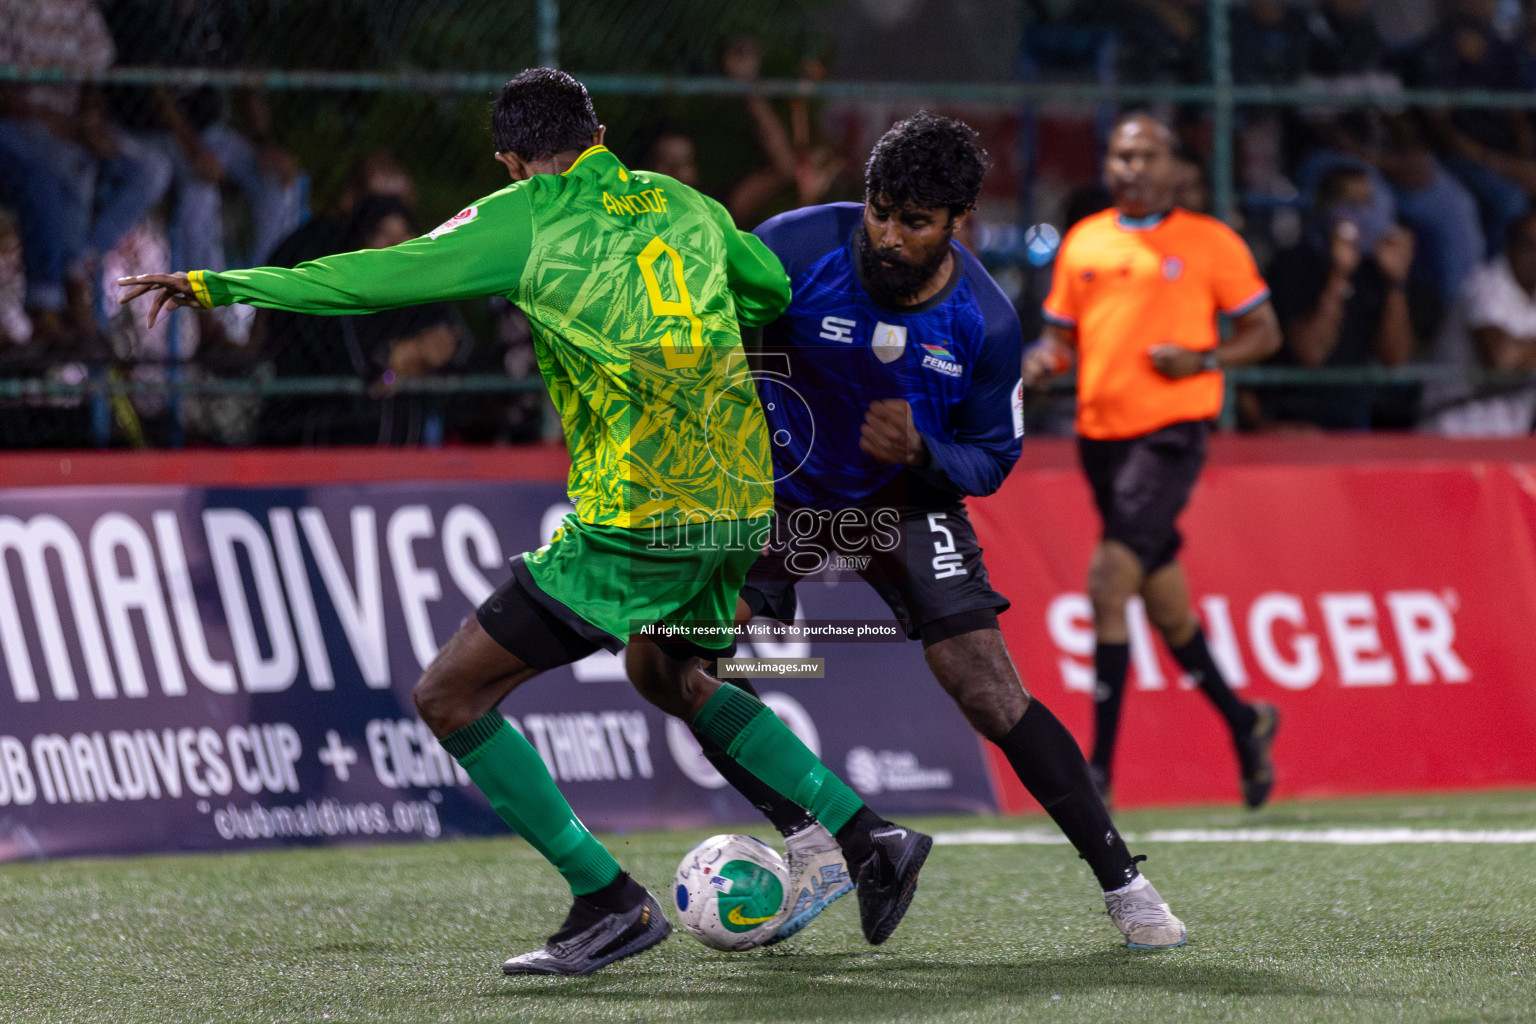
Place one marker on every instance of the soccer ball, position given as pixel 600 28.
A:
pixel 732 892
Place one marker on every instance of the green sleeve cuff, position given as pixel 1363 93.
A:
pixel 202 288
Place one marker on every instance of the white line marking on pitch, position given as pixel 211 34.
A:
pixel 999 837
pixel 1330 836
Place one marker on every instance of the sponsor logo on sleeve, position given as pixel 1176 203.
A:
pixel 458 220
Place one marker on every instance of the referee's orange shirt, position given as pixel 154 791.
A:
pixel 1127 287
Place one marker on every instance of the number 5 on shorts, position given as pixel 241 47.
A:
pixel 686 350
pixel 946 560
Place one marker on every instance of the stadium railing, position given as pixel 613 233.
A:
pixel 100 387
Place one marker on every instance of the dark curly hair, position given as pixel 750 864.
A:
pixel 929 161
pixel 542 112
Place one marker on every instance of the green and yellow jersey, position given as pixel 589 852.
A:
pixel 636 287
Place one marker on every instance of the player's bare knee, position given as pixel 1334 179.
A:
pixel 976 670
pixel 991 701
pixel 674 701
pixel 1176 626
pixel 993 713
pixel 661 680
pixel 1114 574
pixel 445 694
pixel 436 703
pixel 1108 587
pixel 640 662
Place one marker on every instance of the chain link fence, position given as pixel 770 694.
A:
pixel 143 135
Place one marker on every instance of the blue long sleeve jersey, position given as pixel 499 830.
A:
pixel 954 358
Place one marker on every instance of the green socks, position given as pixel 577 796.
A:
pixel 510 772
pixel 757 740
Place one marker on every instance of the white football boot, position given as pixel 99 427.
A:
pixel 818 876
pixel 1143 918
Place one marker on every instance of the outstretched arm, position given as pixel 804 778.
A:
pixel 173 290
pixel 481 251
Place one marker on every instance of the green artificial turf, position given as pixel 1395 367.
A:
pixel 1278 932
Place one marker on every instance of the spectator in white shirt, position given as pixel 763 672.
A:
pixel 1492 326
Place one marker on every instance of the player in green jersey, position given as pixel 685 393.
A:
pixel 636 287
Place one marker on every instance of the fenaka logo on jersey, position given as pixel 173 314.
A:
pixel 940 358
pixel 889 342
pixel 458 220
pixel 1173 268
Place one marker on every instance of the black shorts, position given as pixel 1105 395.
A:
pixel 1141 485
pixel 924 563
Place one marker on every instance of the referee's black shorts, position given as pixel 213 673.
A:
pixel 1141 484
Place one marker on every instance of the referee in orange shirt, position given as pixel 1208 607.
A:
pixel 1133 302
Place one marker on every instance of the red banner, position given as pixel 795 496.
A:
pixel 1385 604
pixel 1380 589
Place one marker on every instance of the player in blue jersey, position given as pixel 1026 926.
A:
pixel 892 390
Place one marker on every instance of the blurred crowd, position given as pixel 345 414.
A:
pixel 1390 234
pixel 99 182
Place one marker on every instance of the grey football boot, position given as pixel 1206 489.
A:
pixel 818 876
pixel 1143 918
